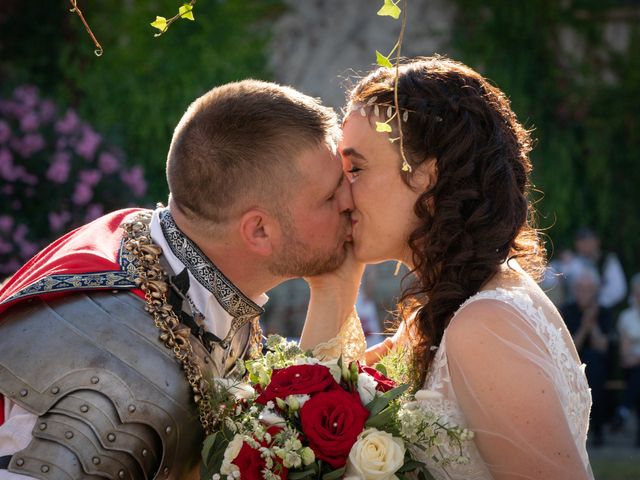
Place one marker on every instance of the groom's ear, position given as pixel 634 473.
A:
pixel 258 231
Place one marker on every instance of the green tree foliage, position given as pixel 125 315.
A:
pixel 137 91
pixel 572 72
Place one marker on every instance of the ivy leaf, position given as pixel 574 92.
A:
pixel 383 127
pixel 382 60
pixel 186 11
pixel 160 24
pixel 390 9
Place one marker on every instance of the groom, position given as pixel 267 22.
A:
pixel 106 335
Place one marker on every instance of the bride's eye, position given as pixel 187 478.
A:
pixel 354 170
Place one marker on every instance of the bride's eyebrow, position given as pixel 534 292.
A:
pixel 352 152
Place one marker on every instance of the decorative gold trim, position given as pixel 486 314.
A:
pixel 151 279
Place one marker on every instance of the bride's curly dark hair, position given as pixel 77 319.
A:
pixel 478 213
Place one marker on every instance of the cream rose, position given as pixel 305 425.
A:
pixel 376 455
pixel 230 454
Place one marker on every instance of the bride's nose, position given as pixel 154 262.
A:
pixel 345 199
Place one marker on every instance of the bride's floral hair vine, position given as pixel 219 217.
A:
pixel 384 114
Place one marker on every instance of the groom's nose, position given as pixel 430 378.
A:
pixel 345 199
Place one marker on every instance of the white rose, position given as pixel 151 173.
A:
pixel 366 387
pixel 238 389
pixel 376 455
pixel 230 454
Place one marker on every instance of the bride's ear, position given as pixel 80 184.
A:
pixel 425 175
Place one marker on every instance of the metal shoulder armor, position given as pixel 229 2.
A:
pixel 112 401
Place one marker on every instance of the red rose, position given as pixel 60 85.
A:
pixel 251 463
pixel 331 422
pixel 383 383
pixel 297 380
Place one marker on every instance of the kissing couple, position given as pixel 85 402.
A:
pixel 106 335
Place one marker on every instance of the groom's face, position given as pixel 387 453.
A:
pixel 317 224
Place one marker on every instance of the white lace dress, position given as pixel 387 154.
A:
pixel 528 350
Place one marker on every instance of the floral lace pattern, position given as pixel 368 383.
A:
pixel 574 388
pixel 350 342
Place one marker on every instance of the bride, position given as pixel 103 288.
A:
pixel 491 351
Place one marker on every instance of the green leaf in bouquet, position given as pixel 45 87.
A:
pixel 335 474
pixel 424 474
pixel 311 471
pixel 382 369
pixel 410 466
pixel 385 420
pixel 378 404
pixel 213 453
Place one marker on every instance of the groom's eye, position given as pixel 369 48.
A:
pixel 354 170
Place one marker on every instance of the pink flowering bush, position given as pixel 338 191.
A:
pixel 56 173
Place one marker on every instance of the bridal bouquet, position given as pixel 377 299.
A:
pixel 299 418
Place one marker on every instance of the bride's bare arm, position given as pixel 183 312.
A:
pixel 333 296
pixel 512 392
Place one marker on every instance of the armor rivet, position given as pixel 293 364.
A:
pixel 132 408
pixel 68 435
pixel 144 452
pixel 24 392
pixel 95 460
pixel 224 344
pixel 111 437
pixel 55 390
pixel 121 474
pixel 20 462
pixel 44 468
pixel 166 470
pixel 94 380
pixel 84 408
pixel 114 291
pixel 206 359
pixel 43 426
pixel 168 430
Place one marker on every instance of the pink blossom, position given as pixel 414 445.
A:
pixel 59 170
pixel 89 142
pixel 30 144
pixel 5 247
pixel 47 111
pixel 26 94
pixel 69 122
pixel 57 221
pixel 134 179
pixel 82 194
pixel 90 177
pixel 20 233
pixel 5 131
pixel 29 122
pixel 28 249
pixel 7 168
pixel 6 223
pixel 108 162
pixel 93 211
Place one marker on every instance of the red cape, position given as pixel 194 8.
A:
pixel 87 258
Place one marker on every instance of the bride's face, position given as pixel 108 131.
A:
pixel 383 217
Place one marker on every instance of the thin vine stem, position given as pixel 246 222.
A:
pixel 405 164
pixel 173 19
pixel 98 51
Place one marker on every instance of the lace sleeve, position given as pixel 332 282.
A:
pixel 350 342
pixel 510 384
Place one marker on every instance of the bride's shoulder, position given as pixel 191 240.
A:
pixel 488 318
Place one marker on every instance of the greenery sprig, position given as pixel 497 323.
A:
pixel 391 9
pixel 162 23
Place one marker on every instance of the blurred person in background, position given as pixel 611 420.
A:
pixel 629 331
pixel 588 254
pixel 590 323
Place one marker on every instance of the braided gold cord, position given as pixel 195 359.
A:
pixel 152 281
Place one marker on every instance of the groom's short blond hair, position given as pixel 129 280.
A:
pixel 236 147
